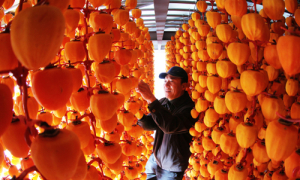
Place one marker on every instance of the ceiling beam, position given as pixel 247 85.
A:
pixel 147 9
pixel 148 15
pixel 148 24
pixel 139 6
pixel 183 2
pixel 145 20
pixel 176 20
pixel 180 16
pixel 167 23
pixel 186 10
pixel 161 11
pixel 170 26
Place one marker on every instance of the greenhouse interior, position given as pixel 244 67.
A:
pixel 149 89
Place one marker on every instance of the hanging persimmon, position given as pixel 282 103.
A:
pixel 101 21
pixel 118 165
pixel 229 144
pixel 123 85
pixel 221 174
pixel 214 166
pixel 105 71
pixel 26 162
pixel 201 6
pixel 238 53
pixel 136 13
pixel 292 86
pixel 274 9
pixel 288 55
pixel 52 87
pixel 123 56
pixel 121 17
pixel 128 148
pixel 103 105
pixel 253 25
pixel 13 138
pixel 236 7
pixel 72 18
pixel 214 50
pixel 246 134
pixel 254 82
pixel 211 68
pixel 224 32
pixel 131 172
pixel 80 100
pixel 237 172
pixel 8 3
pixel 281 139
pixel 99 46
pixel 48 34
pixel 48 150
pixel 270 106
pixel 295 110
pixel 216 134
pixel 260 152
pixel 126 118
pixel 82 130
pixel 130 4
pixel 272 73
pixel 201 105
pixel 74 51
pixel 132 106
pixel 291 163
pixel 214 84
pixel 235 101
pixel 213 18
pixel 109 152
pixel 8 60
pixel 226 69
pixel 210 96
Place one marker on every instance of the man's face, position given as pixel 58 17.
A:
pixel 173 87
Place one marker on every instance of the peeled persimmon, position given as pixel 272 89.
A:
pixel 13 138
pixel 109 152
pixel 52 87
pixel 56 153
pixel 82 130
pixel 36 35
pixel 103 105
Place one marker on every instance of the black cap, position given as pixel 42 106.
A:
pixel 176 71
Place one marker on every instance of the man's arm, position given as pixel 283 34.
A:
pixel 147 123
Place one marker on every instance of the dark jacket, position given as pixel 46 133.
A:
pixel 172 121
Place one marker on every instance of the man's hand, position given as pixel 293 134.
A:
pixel 145 92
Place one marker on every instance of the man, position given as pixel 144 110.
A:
pixel 170 117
